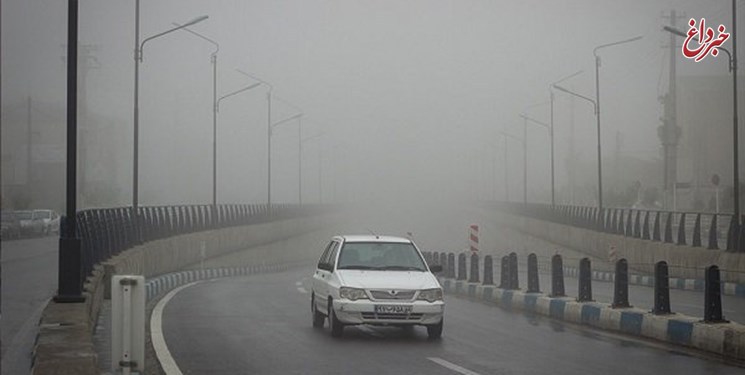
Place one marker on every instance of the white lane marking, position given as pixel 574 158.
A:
pixel 452 366
pixel 300 287
pixel 302 290
pixel 299 283
pixel 156 333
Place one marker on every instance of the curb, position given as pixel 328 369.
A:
pixel 724 339
pixel 729 289
pixel 163 283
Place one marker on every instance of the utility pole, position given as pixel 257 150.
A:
pixel 669 133
pixel 87 61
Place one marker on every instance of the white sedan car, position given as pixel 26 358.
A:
pixel 376 280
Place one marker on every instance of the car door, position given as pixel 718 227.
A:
pixel 319 289
pixel 325 274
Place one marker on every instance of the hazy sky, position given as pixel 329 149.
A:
pixel 410 94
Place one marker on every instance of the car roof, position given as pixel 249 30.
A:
pixel 373 238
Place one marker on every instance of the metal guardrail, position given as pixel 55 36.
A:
pixel 106 232
pixel 697 229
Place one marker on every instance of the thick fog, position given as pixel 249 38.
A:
pixel 410 98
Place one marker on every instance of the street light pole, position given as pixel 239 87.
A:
pixel 69 268
pixel 597 110
pixel 551 129
pixel 138 60
pixel 551 134
pixel 213 60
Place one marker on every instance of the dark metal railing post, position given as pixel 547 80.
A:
pixel 474 276
pixel 504 273
pixel 713 238
pixel 669 228
pixel 451 266
pixel 645 232
pixel 557 276
pixel 621 285
pixel 514 279
pixel 713 296
pixel 488 270
pixel 682 230
pixel 584 293
pixel 697 232
pixel 461 266
pixel 533 281
pixel 661 289
pixel 656 227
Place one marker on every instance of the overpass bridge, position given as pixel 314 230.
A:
pixel 254 321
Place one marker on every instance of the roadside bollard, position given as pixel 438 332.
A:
pixel 488 271
pixel 621 285
pixel 661 289
pixel 474 277
pixel 451 266
pixel 504 274
pixel 444 262
pixel 514 280
pixel 557 276
pixel 461 266
pixel 585 281
pixel 533 283
pixel 713 296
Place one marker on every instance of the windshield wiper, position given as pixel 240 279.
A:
pixel 401 268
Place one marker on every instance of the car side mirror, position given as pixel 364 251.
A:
pixel 435 268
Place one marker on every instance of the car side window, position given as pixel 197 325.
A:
pixel 332 256
pixel 322 260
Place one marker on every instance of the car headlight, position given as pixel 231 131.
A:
pixel 430 295
pixel 352 294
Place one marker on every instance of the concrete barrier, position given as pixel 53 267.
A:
pixel 724 339
pixel 64 342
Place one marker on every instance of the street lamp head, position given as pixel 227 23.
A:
pixel 595 51
pixel 196 20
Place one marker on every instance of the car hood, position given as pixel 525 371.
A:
pixel 367 279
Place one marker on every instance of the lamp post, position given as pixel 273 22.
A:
pixel 138 60
pixel 527 120
pixel 732 61
pixel 551 129
pixel 268 137
pixel 288 119
pixel 597 113
pixel 69 268
pixel 318 135
pixel 525 162
pixel 213 60
pixel 595 109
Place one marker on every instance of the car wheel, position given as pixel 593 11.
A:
pixel 337 327
pixel 435 331
pixel 318 317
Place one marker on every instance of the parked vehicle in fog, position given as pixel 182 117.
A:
pixel 30 225
pixel 10 228
pixel 50 220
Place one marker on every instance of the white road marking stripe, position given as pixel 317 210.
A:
pixel 156 333
pixel 299 283
pixel 302 290
pixel 369 331
pixel 452 366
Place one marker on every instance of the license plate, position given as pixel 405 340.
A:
pixel 392 309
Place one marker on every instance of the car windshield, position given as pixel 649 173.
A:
pixel 380 256
pixel 24 215
pixel 43 214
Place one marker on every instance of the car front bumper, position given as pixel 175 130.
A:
pixel 363 312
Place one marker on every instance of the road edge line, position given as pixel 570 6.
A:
pixel 167 363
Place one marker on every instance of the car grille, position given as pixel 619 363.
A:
pixel 407 295
pixel 391 316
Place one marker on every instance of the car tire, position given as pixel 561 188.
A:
pixel 318 317
pixel 337 327
pixel 434 332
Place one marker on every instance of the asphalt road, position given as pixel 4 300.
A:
pixel 29 279
pixel 261 325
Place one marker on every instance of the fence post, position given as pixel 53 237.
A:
pixel 669 228
pixel 697 231
pixel 514 280
pixel 557 276
pixel 533 282
pixel 474 277
pixel 656 227
pixel 461 266
pixel 488 271
pixel 504 274
pixel 621 285
pixel 661 289
pixel 584 293
pixel 713 296
pixel 451 266
pixel 682 230
pixel 713 239
pixel 637 225
pixel 645 232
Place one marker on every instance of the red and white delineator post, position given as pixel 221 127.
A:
pixel 473 238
